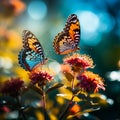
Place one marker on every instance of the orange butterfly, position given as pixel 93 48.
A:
pixel 68 40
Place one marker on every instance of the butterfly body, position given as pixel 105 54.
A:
pixel 68 40
pixel 32 54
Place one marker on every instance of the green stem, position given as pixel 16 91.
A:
pixel 44 102
pixel 66 109
pixel 70 102
pixel 73 84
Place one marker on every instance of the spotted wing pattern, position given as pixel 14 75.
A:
pixel 68 40
pixel 32 52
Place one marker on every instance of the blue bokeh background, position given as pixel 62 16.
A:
pixel 100 37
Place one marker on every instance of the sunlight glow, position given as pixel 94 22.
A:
pixel 5 62
pixel 55 66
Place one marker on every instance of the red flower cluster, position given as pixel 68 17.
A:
pixel 40 76
pixel 79 62
pixel 90 82
pixel 12 87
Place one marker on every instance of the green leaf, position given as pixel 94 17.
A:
pixel 69 76
pixel 99 99
pixel 82 95
pixel 54 87
pixel 38 90
pixel 69 97
pixel 82 112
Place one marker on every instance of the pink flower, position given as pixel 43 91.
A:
pixel 90 82
pixel 40 76
pixel 12 87
pixel 79 62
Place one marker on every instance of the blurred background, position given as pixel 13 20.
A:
pixel 100 38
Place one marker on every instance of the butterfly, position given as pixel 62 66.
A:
pixel 32 53
pixel 68 40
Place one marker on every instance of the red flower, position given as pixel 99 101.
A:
pixel 79 62
pixel 90 82
pixel 12 87
pixel 40 76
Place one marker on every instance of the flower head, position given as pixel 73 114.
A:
pixel 40 76
pixel 90 82
pixel 12 87
pixel 79 62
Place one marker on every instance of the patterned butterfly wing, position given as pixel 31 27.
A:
pixel 68 40
pixel 28 59
pixel 32 54
pixel 31 42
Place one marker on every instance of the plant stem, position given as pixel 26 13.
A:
pixel 20 111
pixel 44 102
pixel 73 84
pixel 70 102
pixel 66 109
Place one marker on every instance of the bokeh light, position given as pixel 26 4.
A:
pixel 89 21
pixel 107 22
pixel 5 62
pixel 37 9
pixel 103 97
pixel 114 75
pixel 110 101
